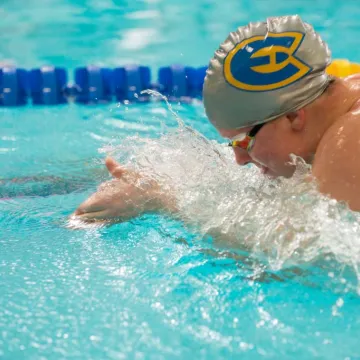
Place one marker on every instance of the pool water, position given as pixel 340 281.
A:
pixel 154 287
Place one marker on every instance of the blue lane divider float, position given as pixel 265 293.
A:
pixel 178 82
pixel 47 85
pixel 130 81
pixel 92 84
pixel 13 86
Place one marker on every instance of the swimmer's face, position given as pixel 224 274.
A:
pixel 274 143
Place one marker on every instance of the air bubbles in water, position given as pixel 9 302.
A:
pixel 285 221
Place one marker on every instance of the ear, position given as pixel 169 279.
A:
pixel 297 119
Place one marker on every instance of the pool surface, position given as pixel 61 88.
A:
pixel 155 288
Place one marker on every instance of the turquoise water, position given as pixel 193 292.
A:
pixel 153 288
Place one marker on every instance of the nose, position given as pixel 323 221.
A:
pixel 241 156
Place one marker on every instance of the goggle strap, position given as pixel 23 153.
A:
pixel 255 130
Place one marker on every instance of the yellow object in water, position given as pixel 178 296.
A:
pixel 343 68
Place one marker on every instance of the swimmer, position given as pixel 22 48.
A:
pixel 267 90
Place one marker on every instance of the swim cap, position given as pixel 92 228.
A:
pixel 265 70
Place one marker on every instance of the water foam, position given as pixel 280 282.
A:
pixel 287 221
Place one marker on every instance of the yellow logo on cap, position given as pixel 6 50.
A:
pixel 265 62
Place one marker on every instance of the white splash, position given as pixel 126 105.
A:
pixel 288 220
pixel 284 221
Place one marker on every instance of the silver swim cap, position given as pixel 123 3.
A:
pixel 265 70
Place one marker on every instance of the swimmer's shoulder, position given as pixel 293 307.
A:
pixel 354 77
pixel 342 139
pixel 346 126
pixel 336 163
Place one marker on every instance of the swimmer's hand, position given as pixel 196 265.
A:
pixel 128 195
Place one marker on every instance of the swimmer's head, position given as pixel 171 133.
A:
pixel 263 71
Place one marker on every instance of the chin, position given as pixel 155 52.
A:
pixel 271 174
pixel 286 173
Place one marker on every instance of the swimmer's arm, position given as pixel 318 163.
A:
pixel 123 198
pixel 336 165
pixel 127 196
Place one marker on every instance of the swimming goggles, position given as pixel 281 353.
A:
pixel 246 141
